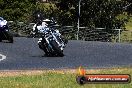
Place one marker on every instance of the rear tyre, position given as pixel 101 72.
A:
pixel 64 39
pixel 1 36
pixel 10 38
pixel 56 49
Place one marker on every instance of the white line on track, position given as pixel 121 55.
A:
pixel 3 57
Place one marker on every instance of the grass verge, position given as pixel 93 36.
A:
pixel 57 79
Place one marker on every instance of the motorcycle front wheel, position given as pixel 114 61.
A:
pixel 56 49
pixel 43 47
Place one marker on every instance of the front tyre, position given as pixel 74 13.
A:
pixel 56 49
pixel 44 47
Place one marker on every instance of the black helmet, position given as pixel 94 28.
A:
pixel 39 16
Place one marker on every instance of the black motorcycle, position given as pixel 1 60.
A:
pixel 5 34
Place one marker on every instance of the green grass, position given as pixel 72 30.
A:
pixel 61 80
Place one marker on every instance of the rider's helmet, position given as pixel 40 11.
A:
pixel 39 18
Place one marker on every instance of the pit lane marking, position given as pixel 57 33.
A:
pixel 3 57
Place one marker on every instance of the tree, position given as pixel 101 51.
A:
pixel 16 10
pixel 94 13
pixel 97 13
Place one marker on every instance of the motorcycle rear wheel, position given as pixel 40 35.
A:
pixel 6 36
pixel 10 37
pixel 0 36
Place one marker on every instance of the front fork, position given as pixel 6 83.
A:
pixel 61 45
pixel 44 45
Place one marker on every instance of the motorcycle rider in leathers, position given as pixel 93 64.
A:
pixel 42 25
pixel 4 31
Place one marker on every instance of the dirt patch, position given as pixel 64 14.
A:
pixel 7 73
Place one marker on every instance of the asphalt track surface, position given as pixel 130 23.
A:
pixel 24 54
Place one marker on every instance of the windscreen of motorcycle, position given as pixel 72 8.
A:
pixel 3 22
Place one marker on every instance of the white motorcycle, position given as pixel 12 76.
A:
pixel 51 41
pixel 4 31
